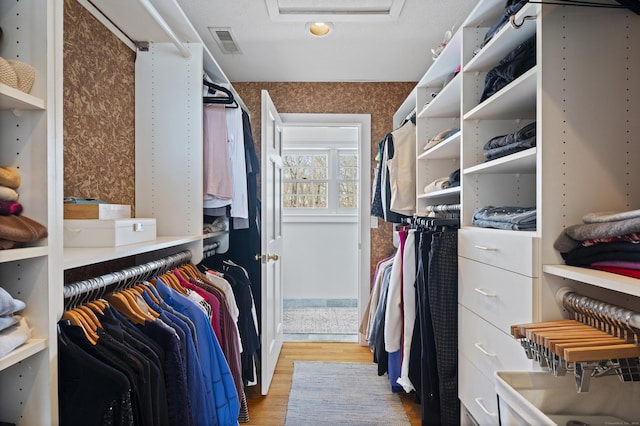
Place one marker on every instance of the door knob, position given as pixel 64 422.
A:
pixel 272 257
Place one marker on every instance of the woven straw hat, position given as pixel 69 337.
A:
pixel 25 73
pixel 8 75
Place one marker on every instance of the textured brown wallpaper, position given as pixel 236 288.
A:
pixel 98 110
pixel 380 100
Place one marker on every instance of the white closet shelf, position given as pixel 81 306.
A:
pixel 214 234
pixel 22 253
pixel 616 282
pixel 445 63
pixel 31 347
pixel 485 14
pixel 516 100
pixel 447 103
pixel 406 109
pixel 520 162
pixel 76 257
pixel 11 98
pixel 445 150
pixel 505 40
pixel 444 193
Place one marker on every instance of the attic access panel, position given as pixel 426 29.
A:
pixel 334 10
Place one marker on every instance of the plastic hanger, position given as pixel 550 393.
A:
pixel 213 88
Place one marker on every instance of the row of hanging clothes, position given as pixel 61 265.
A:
pixel 411 319
pixel 163 343
pixel 231 165
pixel 229 156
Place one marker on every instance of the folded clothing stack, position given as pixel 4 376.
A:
pixel 515 218
pixel 512 66
pixel 14 330
pixel 607 241
pixel 519 140
pixel 437 185
pixel 15 228
pixel 443 135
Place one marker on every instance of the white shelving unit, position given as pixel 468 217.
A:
pixel 437 114
pixel 583 162
pixel 27 141
pixel 31 139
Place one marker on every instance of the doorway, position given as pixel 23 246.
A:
pixel 326 221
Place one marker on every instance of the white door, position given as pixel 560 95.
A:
pixel 271 235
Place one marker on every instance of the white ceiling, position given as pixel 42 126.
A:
pixel 372 46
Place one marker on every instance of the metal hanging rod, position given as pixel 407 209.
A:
pixel 153 12
pixel 96 287
pixel 597 309
pixel 601 340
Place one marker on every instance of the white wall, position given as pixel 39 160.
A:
pixel 320 259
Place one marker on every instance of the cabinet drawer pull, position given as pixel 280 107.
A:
pixel 479 247
pixel 484 293
pixel 487 412
pixel 478 346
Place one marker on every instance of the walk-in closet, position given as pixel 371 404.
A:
pixel 144 167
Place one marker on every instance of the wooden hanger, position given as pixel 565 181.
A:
pixel 98 305
pixel 193 271
pixel 140 304
pixel 146 287
pixel 124 306
pixel 90 316
pixel 172 281
pixel 77 319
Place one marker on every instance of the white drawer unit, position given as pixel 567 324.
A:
pixel 108 233
pixel 513 251
pixel 477 393
pixel 501 297
pixel 488 348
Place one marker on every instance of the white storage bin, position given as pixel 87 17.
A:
pixel 108 233
pixel 540 398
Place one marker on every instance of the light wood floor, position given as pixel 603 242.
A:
pixel 271 410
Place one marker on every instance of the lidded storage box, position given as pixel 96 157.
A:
pixel 108 233
pixel 97 211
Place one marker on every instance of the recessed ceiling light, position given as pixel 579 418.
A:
pixel 319 29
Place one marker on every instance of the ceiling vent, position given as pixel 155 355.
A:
pixel 334 10
pixel 224 38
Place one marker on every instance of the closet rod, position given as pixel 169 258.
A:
pixel 153 12
pixel 443 207
pixel 596 309
pixel 130 275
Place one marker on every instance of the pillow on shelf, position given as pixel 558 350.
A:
pixel 25 73
pixel 8 75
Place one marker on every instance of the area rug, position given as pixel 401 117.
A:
pixel 342 393
pixel 320 320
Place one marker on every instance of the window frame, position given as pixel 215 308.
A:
pixel 333 181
